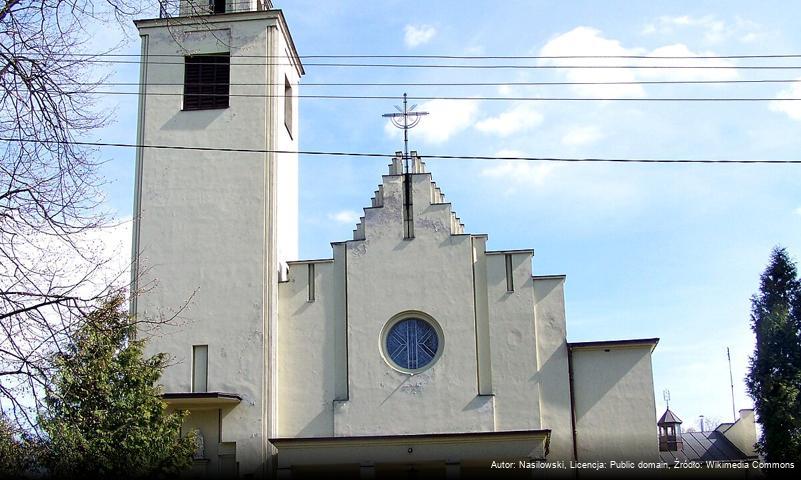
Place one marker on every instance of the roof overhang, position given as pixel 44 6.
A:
pixel 193 400
pixel 608 344
pixel 520 251
pixel 447 447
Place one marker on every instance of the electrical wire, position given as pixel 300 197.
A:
pixel 458 66
pixel 462 57
pixel 385 155
pixel 452 84
pixel 420 97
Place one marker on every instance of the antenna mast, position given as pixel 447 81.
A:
pixel 731 381
pixel 666 396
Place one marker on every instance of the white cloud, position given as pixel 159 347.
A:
pixel 751 37
pixel 446 118
pixel 519 171
pixel 791 108
pixel 345 217
pixel 475 50
pixel 512 121
pixel 723 69
pixel 798 211
pixel 748 30
pixel 584 135
pixel 104 260
pixel 713 29
pixel 113 244
pixel 590 41
pixel 416 35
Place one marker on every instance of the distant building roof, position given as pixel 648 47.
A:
pixel 723 427
pixel 703 446
pixel 668 417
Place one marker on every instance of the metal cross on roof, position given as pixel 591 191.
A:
pixel 405 119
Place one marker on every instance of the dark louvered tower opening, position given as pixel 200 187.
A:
pixel 206 81
pixel 217 6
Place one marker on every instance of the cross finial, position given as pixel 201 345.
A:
pixel 405 119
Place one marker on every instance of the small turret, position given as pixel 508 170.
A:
pixel 669 432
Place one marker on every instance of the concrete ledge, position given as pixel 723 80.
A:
pixel 512 252
pixel 182 400
pixel 628 343
pixel 446 447
pixel 549 277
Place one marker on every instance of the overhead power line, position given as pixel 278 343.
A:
pixel 456 57
pixel 460 66
pixel 450 84
pixel 387 155
pixel 442 97
pixel 562 57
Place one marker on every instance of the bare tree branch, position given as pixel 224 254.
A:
pixel 52 270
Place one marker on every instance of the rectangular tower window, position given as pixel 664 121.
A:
pixel 217 6
pixel 288 105
pixel 200 368
pixel 206 81
pixel 510 281
pixel 311 282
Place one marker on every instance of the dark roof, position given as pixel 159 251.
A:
pixel 634 342
pixel 724 427
pixel 704 446
pixel 668 417
pixel 196 395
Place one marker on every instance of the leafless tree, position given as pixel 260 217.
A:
pixel 705 424
pixel 51 270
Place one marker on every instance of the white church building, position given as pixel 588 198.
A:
pixel 412 349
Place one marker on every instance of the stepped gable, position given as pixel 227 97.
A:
pixel 386 205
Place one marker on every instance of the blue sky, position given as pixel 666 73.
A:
pixel 668 251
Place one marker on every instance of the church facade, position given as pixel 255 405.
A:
pixel 412 347
pixel 425 331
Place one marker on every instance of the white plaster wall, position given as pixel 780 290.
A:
pixel 513 344
pixel 615 406
pixel 432 273
pixel 370 281
pixel 306 352
pixel 387 275
pixel 205 228
pixel 552 375
pixel 287 199
pixel 743 432
pixel 286 164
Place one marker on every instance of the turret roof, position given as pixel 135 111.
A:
pixel 668 417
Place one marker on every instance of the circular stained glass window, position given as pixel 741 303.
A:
pixel 412 343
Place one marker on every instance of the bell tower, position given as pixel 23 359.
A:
pixel 215 215
pixel 669 426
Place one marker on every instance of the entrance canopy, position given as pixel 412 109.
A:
pixel 447 448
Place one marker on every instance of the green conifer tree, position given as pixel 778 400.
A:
pixel 774 377
pixel 104 417
pixel 16 450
